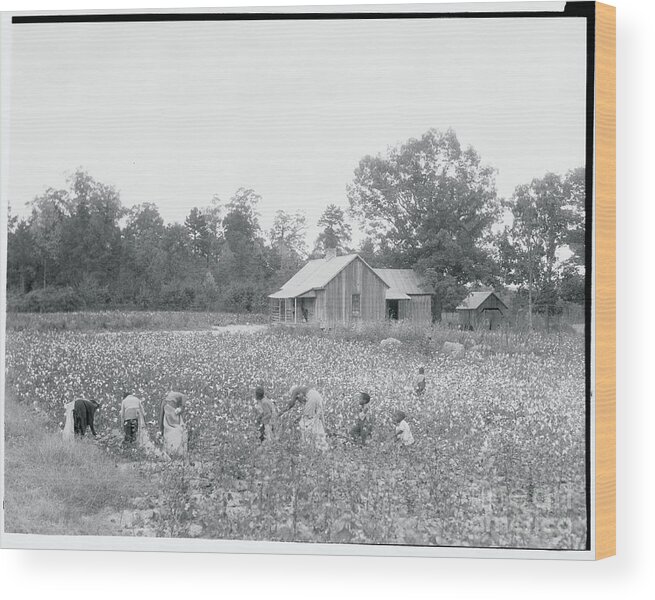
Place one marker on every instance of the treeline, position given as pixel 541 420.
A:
pixel 427 204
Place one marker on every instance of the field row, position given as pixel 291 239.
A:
pixel 492 425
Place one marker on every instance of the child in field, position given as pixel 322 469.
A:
pixel 266 415
pixel 363 427
pixel 419 382
pixel 403 432
pixel 362 430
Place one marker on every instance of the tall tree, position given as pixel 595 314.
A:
pixel 368 251
pixel 289 231
pixel 12 220
pixel 241 229
pixel 574 191
pixel 430 205
pixel 199 233
pixel 91 236
pixel 143 259
pixel 213 216
pixel 22 261
pixel 336 232
pixel 243 268
pixel 287 237
pixel 49 212
pixel 530 248
pixel 288 248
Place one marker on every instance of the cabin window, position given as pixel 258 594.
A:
pixel 356 305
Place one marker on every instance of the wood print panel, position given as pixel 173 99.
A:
pixel 605 215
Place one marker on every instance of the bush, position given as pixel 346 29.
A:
pixel 94 295
pixel 49 299
pixel 176 297
pixel 117 320
pixel 244 297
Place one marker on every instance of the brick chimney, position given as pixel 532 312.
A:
pixel 330 253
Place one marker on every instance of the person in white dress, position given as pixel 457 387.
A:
pixel 172 426
pixel 312 420
pixel 69 430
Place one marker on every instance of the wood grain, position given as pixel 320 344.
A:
pixel 334 303
pixel 605 213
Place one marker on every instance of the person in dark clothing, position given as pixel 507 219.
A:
pixel 83 413
pixel 419 382
pixel 363 428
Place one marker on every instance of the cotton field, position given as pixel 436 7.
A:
pixel 499 458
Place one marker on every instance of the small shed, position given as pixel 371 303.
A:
pixel 482 310
pixel 406 298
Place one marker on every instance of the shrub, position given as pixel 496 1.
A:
pixel 49 299
pixel 177 297
pixel 117 320
pixel 244 297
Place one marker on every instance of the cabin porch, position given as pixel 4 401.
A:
pixel 296 311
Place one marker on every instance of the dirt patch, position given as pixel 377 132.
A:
pixel 215 330
pixel 239 329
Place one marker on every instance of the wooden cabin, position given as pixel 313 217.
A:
pixel 482 310
pixel 345 289
pixel 334 289
pixel 406 298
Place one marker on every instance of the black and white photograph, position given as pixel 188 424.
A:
pixel 299 277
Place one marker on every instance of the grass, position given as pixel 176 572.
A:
pixel 119 320
pixel 57 488
pixel 430 338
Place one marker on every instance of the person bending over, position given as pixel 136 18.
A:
pixel 131 408
pixel 83 413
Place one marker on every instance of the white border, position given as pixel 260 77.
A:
pixel 5 95
pixel 140 544
pixel 153 544
pixel 472 7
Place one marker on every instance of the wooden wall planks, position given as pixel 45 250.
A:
pixel 334 304
pixel 420 309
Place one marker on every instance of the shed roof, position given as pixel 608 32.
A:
pixel 316 274
pixel 290 293
pixel 402 281
pixel 475 299
pixel 393 294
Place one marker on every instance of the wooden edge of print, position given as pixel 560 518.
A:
pixel 605 305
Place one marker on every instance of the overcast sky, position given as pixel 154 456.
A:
pixel 174 113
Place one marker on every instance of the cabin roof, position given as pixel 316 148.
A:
pixel 402 281
pixel 475 299
pixel 316 274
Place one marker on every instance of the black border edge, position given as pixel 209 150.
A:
pixel 571 9
pixel 589 249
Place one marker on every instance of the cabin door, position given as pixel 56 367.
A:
pixel 306 310
pixel 492 318
pixel 392 310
